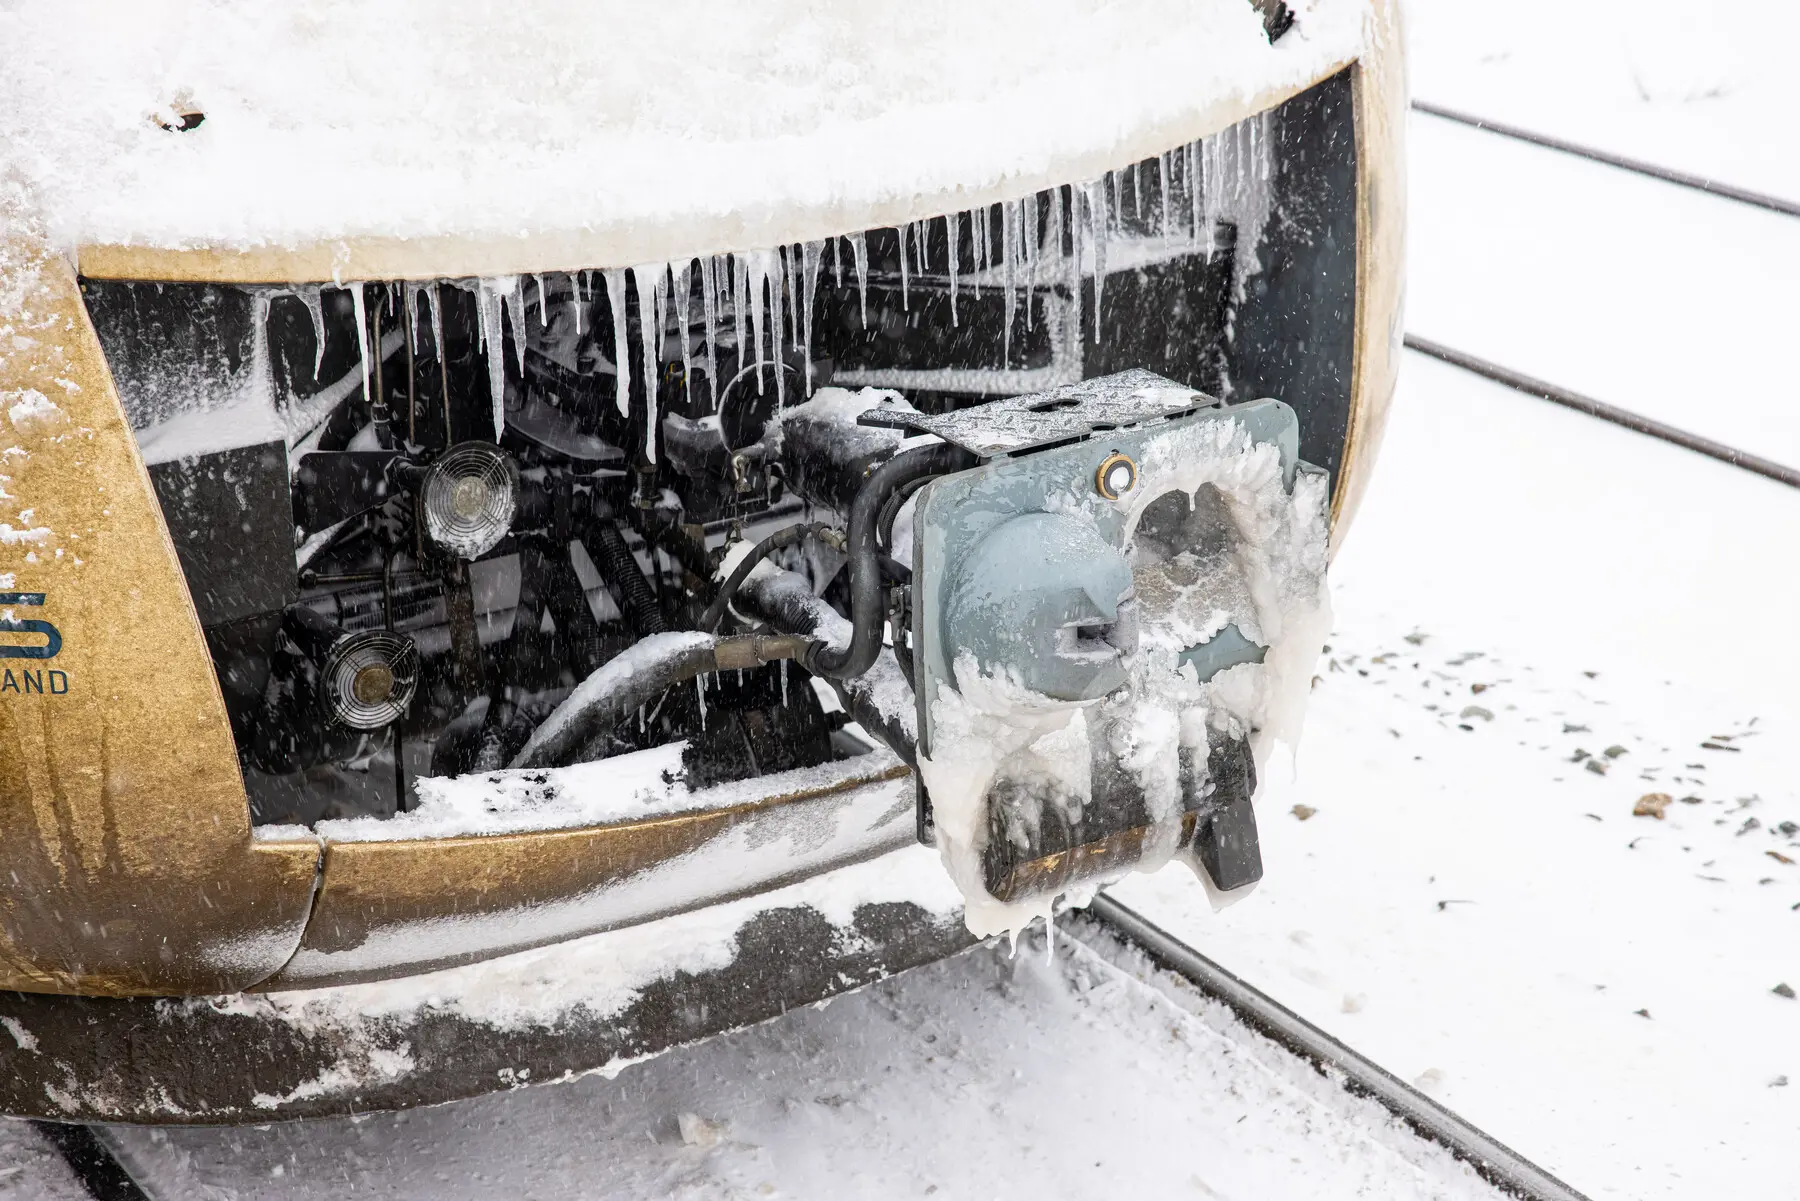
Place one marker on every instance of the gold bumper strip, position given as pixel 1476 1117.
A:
pixel 126 864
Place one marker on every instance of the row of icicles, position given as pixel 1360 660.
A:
pixel 762 294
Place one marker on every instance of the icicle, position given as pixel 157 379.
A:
pixel 859 251
pixel 1193 183
pixel 1098 233
pixel 1008 232
pixel 901 231
pixel 922 246
pixel 700 692
pixel 950 233
pixel 1137 190
pixel 980 232
pixel 709 311
pixel 1062 215
pixel 740 309
pixel 1115 180
pixel 575 301
pixel 615 297
pixel 651 281
pixel 491 296
pixel 514 296
pixel 1168 208
pixel 1030 243
pixel 837 262
pixel 362 337
pixel 316 307
pixel 789 293
pixel 754 275
pixel 777 272
pixel 811 254
pixel 783 670
pixel 683 292
pixel 437 324
pixel 543 312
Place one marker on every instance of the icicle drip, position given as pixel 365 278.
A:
pixel 1033 249
pixel 951 235
pixel 1192 153
pixel 1062 215
pixel 652 280
pixel 756 273
pixel 514 295
pixel 362 337
pixel 859 251
pixel 982 233
pixel 709 311
pixel 900 230
pixel 437 324
pixel 740 314
pixel 811 255
pixel 1168 195
pixel 1009 232
pixel 777 275
pixel 683 292
pixel 789 294
pixel 615 299
pixel 1097 234
pixel 315 306
pixel 492 297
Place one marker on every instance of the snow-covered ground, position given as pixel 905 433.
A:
pixel 982 1076
pixel 1691 84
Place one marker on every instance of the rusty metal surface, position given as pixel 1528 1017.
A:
pixel 125 844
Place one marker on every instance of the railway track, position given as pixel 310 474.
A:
pixel 1105 925
pixel 1491 1159
pixel 1567 397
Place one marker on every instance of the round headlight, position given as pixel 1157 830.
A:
pixel 367 679
pixel 468 499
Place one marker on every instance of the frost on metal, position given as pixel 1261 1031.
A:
pixel 1266 578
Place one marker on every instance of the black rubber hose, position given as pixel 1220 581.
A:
pixel 787 536
pixel 619 568
pixel 867 613
pixel 786 602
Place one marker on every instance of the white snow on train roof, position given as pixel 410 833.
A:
pixel 684 126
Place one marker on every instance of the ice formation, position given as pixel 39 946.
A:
pixel 1269 581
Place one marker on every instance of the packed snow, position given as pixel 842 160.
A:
pixel 690 127
pixel 974 1077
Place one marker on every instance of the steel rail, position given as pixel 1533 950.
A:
pixel 1701 183
pixel 1491 1159
pixel 1544 390
pixel 91 1161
